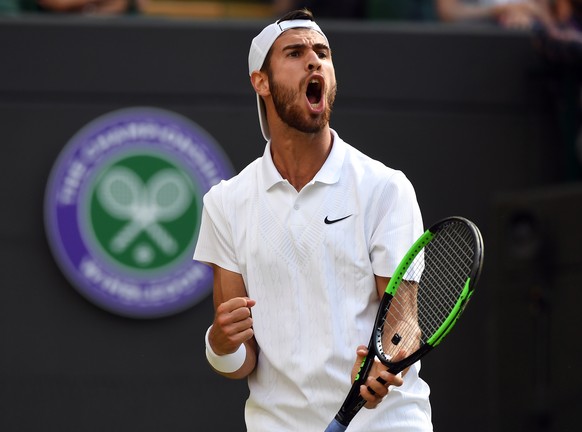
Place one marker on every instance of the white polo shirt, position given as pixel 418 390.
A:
pixel 308 258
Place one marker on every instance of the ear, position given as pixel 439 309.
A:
pixel 260 83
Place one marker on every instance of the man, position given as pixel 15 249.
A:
pixel 302 243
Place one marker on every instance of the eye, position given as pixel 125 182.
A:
pixel 322 54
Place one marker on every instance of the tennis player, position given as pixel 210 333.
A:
pixel 302 243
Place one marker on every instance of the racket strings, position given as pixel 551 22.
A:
pixel 429 292
pixel 449 260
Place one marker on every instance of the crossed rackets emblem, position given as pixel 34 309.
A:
pixel 163 198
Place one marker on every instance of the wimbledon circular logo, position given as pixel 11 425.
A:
pixel 123 206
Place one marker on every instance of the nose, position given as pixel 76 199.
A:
pixel 313 62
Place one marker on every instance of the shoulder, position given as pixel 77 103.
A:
pixel 230 190
pixel 375 182
pixel 370 171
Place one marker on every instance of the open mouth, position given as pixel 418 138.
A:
pixel 314 90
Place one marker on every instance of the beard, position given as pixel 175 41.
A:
pixel 292 115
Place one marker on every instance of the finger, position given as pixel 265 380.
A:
pixel 235 303
pixel 235 309
pixel 245 334
pixel 234 321
pixel 386 376
pixel 227 339
pixel 376 388
pixel 240 314
pixel 362 351
pixel 390 379
pixel 370 396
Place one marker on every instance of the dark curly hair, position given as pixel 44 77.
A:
pixel 300 14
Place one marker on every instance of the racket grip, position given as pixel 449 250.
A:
pixel 335 426
pixel 353 404
pixel 349 410
pixel 354 401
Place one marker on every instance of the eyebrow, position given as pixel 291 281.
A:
pixel 317 46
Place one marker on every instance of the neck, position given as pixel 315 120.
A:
pixel 298 157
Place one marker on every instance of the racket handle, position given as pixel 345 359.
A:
pixel 335 426
pixel 354 401
pixel 349 410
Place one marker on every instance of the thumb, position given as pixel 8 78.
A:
pixel 361 353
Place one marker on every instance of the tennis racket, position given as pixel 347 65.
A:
pixel 422 302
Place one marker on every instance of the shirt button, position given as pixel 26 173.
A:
pixel 296 206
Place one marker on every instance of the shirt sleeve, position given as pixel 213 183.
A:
pixel 398 225
pixel 215 245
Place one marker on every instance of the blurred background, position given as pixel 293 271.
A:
pixel 479 103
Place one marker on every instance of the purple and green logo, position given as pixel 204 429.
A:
pixel 123 206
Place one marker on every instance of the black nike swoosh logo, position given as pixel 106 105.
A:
pixel 332 221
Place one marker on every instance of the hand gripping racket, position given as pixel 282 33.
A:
pixel 422 302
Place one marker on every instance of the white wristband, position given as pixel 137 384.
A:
pixel 225 363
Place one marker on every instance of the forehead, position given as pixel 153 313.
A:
pixel 303 36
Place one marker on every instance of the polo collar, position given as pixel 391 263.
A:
pixel 328 174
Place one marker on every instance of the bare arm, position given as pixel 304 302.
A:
pixel 233 321
pixel 456 10
pixel 403 315
pixel 94 6
pixel 516 14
